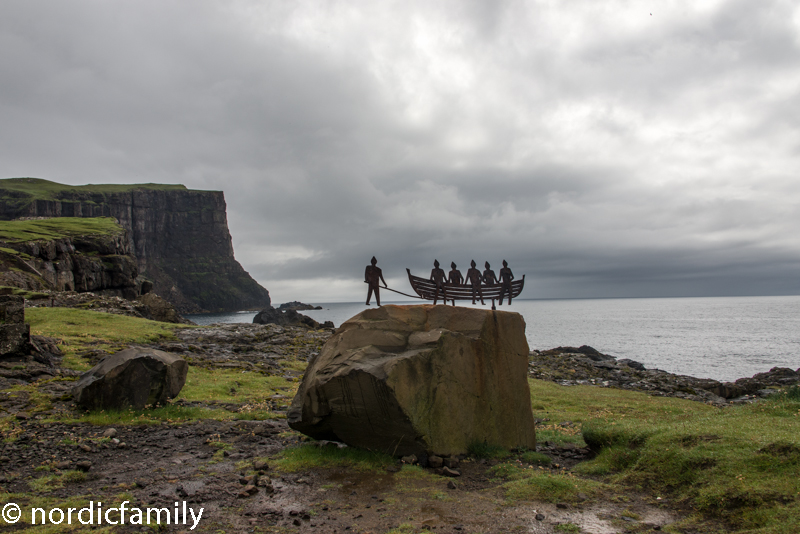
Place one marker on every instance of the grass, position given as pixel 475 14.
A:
pixel 57 228
pixel 738 465
pixel 232 386
pixel 80 330
pixel 483 450
pixel 37 188
pixel 29 295
pixel 309 457
pixel 538 485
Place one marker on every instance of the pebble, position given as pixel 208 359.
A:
pixel 84 465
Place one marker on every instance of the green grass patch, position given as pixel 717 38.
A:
pixel 541 485
pixel 82 329
pixel 535 458
pixel 308 457
pixel 49 483
pixel 232 386
pixel 483 450
pixel 37 188
pixel 740 464
pixel 170 413
pixel 58 228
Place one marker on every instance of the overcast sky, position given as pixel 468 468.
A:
pixel 605 149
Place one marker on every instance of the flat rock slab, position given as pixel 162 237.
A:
pixel 420 380
pixel 132 378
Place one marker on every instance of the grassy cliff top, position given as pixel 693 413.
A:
pixel 57 228
pixel 45 189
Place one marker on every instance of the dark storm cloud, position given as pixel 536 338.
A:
pixel 602 150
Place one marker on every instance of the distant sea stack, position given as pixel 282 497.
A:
pixel 180 237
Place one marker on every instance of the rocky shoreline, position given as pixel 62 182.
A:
pixel 572 366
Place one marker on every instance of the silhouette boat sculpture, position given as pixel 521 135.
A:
pixel 426 289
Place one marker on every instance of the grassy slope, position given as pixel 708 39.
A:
pixel 739 464
pixel 57 228
pixel 83 330
pixel 45 189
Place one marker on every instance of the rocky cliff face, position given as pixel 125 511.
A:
pixel 100 264
pixel 180 237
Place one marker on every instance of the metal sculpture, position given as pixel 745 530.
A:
pixel 490 289
pixel 474 280
pixel 372 275
pixel 439 279
pixel 440 286
pixel 506 276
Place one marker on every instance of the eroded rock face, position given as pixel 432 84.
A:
pixel 15 334
pixel 420 379
pixel 135 377
pixel 179 238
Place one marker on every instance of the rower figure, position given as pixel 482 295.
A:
pixel 372 275
pixel 489 277
pixel 506 276
pixel 474 279
pixel 439 278
pixel 455 278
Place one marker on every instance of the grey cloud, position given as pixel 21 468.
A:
pixel 601 153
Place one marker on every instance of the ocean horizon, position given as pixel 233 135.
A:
pixel 723 338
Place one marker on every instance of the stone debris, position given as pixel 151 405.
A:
pixel 571 366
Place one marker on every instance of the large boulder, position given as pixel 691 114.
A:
pixel 420 380
pixel 132 378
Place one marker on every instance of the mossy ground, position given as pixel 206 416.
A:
pixel 57 228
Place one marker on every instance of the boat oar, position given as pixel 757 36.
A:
pixel 400 292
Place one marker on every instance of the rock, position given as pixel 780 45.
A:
pixel 451 462
pixel 135 377
pixel 435 462
pixel 295 305
pixel 631 363
pixel 408 379
pixel 15 335
pixel 248 491
pixel 284 318
pixel 179 237
pixel 160 310
pixel 446 471
pixel 110 433
pixel 451 485
pixel 85 465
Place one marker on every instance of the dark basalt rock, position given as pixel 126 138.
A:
pixel 298 306
pixel 287 317
pixel 135 378
pixel 99 263
pixel 586 366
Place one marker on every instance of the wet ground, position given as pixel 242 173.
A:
pixel 224 468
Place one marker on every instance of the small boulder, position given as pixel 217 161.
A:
pixel 135 378
pixel 287 317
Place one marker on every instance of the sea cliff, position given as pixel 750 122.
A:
pixel 179 237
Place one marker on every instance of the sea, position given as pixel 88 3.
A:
pixel 723 338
